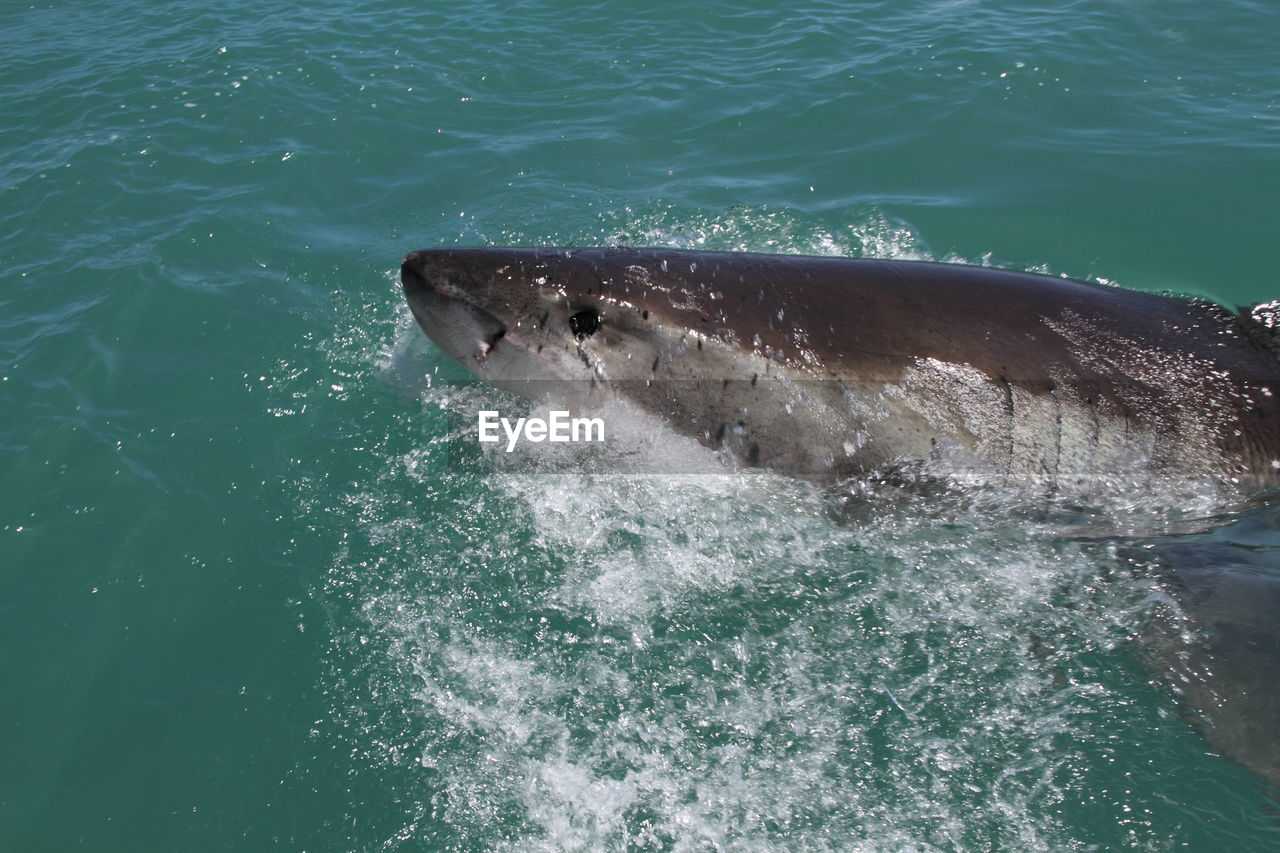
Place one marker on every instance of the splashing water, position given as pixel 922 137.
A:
pixel 733 661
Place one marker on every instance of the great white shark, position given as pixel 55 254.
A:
pixel 832 368
pixel 829 368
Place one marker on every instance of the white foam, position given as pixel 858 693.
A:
pixel 871 233
pixel 729 669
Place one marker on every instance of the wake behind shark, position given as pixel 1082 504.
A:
pixel 831 368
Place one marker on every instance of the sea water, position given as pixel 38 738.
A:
pixel 255 595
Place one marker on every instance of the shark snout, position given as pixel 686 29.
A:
pixel 431 275
pixel 417 289
pixel 436 289
pixel 431 279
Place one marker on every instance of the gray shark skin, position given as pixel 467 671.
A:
pixel 830 368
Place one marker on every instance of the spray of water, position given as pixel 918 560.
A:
pixel 718 660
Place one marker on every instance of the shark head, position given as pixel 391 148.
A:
pixel 710 344
pixel 517 316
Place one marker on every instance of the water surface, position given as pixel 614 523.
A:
pixel 249 602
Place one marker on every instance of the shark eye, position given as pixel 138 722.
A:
pixel 584 323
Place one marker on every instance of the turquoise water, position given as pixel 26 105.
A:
pixel 249 601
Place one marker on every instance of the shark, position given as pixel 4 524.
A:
pixel 834 369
